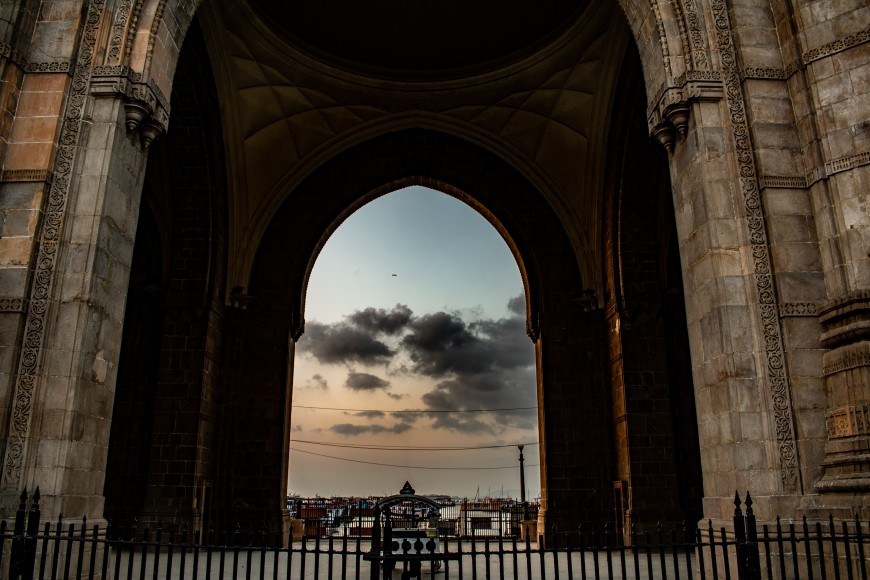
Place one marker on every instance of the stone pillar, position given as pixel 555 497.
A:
pixel 80 240
pixel 575 429
pixel 742 388
pixel 823 45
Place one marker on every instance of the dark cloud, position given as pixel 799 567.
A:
pixel 442 344
pixel 317 382
pixel 479 364
pixel 351 430
pixel 342 343
pixel 514 389
pixel 365 382
pixel 370 414
pixel 517 305
pixel 378 320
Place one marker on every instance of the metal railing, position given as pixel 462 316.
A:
pixel 743 551
pixel 355 517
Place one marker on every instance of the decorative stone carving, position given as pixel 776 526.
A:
pixel 848 421
pixel 239 299
pixel 11 304
pixel 696 35
pixel 670 113
pixel 775 74
pixel 775 373
pixel 118 26
pixel 45 67
pixel 664 133
pixel 46 255
pixel 836 46
pixel 797 309
pixel 146 108
pixel 784 181
pixel 24 175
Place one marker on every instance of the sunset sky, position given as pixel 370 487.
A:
pixel 415 303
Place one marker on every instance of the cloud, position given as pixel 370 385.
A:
pixel 485 364
pixel 365 382
pixel 370 414
pixel 352 430
pixel 513 390
pixel 382 321
pixel 478 364
pixel 343 343
pixel 317 382
pixel 517 305
pixel 441 344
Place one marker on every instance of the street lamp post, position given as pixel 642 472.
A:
pixel 523 485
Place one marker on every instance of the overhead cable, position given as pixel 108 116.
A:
pixel 427 467
pixel 406 448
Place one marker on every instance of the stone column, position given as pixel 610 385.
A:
pixel 742 387
pixel 825 51
pixel 81 247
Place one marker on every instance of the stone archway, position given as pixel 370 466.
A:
pixel 562 329
pixel 736 92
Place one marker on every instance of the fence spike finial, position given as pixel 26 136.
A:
pixel 36 495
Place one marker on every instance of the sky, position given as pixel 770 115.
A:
pixel 414 304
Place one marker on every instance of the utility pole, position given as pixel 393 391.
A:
pixel 523 485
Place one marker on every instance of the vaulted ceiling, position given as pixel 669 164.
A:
pixel 299 82
pixel 419 37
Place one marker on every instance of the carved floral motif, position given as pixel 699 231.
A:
pixel 775 373
pixel 848 421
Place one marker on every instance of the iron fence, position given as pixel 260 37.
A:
pixel 743 550
pixel 355 517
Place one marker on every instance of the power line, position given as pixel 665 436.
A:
pixel 405 448
pixel 415 410
pixel 409 466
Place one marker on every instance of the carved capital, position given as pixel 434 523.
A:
pixel 146 108
pixel 670 111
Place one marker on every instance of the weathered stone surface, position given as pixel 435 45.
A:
pixel 760 236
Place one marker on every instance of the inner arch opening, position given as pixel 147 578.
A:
pixel 415 303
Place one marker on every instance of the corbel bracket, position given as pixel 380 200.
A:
pixel 669 114
pixel 147 110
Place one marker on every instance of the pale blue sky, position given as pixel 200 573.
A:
pixel 444 254
pixel 431 281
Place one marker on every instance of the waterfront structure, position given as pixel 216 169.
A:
pixel 683 184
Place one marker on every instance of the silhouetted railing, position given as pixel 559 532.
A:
pixel 744 551
pixel 355 517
